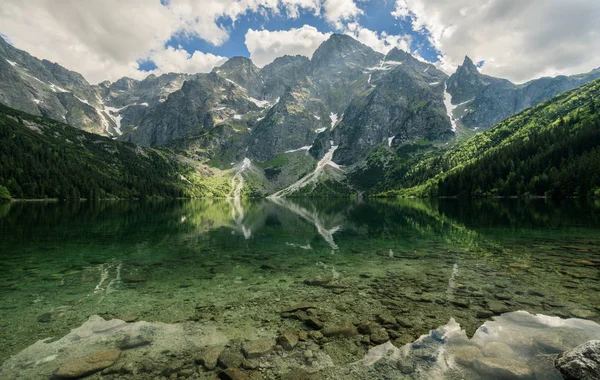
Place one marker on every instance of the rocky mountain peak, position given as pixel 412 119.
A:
pixel 399 55
pixel 344 49
pixel 468 67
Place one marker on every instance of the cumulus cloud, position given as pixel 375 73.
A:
pixel 264 46
pixel 337 11
pixel 518 40
pixel 180 61
pixel 105 39
pixel 381 42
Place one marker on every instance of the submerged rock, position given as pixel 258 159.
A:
pixel 86 366
pixel 288 340
pixel 465 356
pixel 209 357
pixel 502 368
pixel 345 329
pixel 580 363
pixel 130 342
pixel 233 374
pixel 230 358
pixel 258 348
pixel 498 350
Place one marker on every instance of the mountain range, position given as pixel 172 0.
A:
pixel 345 121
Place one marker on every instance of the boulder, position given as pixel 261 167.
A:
pixel 86 366
pixel 581 363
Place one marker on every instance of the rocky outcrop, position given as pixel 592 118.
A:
pixel 580 363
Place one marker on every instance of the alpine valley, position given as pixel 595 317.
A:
pixel 348 121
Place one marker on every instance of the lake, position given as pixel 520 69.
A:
pixel 381 279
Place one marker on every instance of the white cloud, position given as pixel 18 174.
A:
pixel 519 40
pixel 381 42
pixel 337 11
pixel 104 39
pixel 264 46
pixel 180 61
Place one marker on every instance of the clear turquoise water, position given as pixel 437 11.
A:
pixel 236 264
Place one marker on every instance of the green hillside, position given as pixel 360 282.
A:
pixel 42 158
pixel 552 149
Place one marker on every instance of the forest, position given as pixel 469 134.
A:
pixel 42 158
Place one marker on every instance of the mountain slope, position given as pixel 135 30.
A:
pixel 487 100
pixel 41 158
pixel 552 149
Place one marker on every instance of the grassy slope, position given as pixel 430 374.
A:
pixel 43 158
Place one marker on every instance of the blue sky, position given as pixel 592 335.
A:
pixel 376 17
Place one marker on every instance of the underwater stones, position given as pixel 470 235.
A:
pixel 580 363
pixel 367 328
pixel 392 303
pixel 257 348
pixel 498 350
pixel 288 340
pixel 86 366
pixel 133 278
pixel 502 368
pixel 233 374
pixel 299 306
pixel 386 319
pixel 503 296
pixel 45 318
pixel 130 342
pixel 300 374
pixel 465 356
pixel 343 329
pixel 315 335
pixel 550 344
pixel 583 314
pixel 497 307
pixel 462 303
pixel 230 358
pixel 128 318
pixel 379 336
pixel 318 281
pixel 484 314
pixel 314 323
pixel 209 357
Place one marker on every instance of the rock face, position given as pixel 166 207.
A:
pixel 488 100
pixel 580 363
pixel 86 366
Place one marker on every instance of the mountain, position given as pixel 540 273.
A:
pixel 43 88
pixel 552 149
pixel 348 120
pixel 482 100
pixel 69 163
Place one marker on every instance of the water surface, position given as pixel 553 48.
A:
pixel 235 265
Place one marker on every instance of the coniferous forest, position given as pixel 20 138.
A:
pixel 42 158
